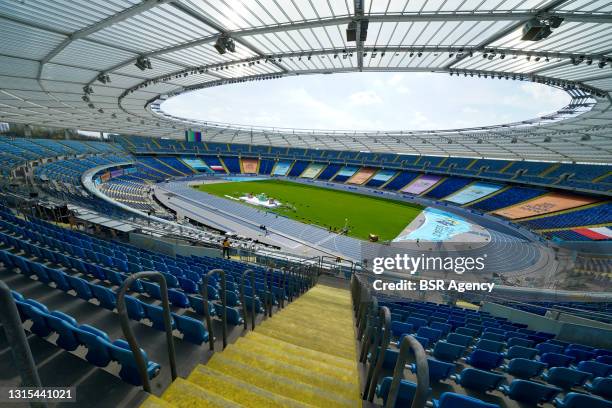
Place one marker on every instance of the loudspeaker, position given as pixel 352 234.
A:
pixel 351 32
pixel 535 30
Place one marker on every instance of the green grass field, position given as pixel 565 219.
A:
pixel 326 207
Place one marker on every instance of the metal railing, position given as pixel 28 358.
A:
pixel 204 293
pixel 129 334
pixel 250 273
pixel 18 343
pixel 374 330
pixel 382 338
pixel 409 343
pixel 268 301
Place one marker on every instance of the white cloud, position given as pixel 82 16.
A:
pixel 365 98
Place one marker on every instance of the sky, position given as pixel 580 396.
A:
pixel 370 101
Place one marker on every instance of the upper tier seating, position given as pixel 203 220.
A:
pixel 594 215
pixel 511 196
pixel 447 187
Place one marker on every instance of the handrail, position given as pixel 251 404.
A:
pixel 370 326
pixel 292 284
pixel 422 372
pixel 18 343
pixel 204 293
pixel 242 299
pixel 381 342
pixel 127 329
pixel 283 273
pixel 268 291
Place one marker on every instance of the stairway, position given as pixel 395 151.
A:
pixel 303 356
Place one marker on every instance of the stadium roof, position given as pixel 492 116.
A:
pixel 72 64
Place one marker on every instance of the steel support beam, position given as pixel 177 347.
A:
pixel 114 19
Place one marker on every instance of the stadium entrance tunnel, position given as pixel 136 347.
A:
pixel 368 101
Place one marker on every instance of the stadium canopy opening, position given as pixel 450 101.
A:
pixel 106 66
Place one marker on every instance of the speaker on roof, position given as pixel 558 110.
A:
pixel 535 30
pixel 351 32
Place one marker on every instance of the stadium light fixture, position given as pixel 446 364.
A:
pixel 143 63
pixel 104 78
pixel 225 43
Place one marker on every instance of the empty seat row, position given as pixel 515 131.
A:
pixel 101 350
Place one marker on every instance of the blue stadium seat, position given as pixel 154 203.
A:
pixel 565 377
pixel 521 352
pixel 96 341
pixel 65 326
pixel 556 360
pixel 80 286
pixel 548 348
pixel 59 278
pixel 518 341
pixel 595 368
pixel 155 314
pixel 604 359
pixel 178 298
pixel 399 328
pixel 423 340
pixel 579 355
pixel 443 327
pixel 485 360
pixel 524 368
pixel 601 386
pixel 459 339
pixel 134 308
pixel 467 331
pixel 447 351
pixel 405 395
pixel 432 334
pixel 493 336
pixel 479 380
pixel 233 315
pixel 490 345
pixel 453 400
pixel 105 296
pixel 120 352
pixel 576 400
pixel 438 370
pixel 192 329
pixel 36 312
pixel 416 322
pixel 530 392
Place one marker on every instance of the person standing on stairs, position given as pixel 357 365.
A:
pixel 226 248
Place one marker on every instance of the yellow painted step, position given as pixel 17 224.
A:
pixel 325 345
pixel 316 336
pixel 288 348
pixel 317 366
pixel 276 384
pixel 344 388
pixel 185 394
pixel 239 391
pixel 155 402
pixel 338 323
